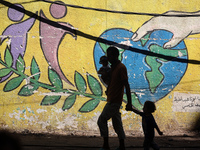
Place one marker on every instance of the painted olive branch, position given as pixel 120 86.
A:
pixel 56 86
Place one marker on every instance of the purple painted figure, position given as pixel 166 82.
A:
pixel 17 33
pixel 52 36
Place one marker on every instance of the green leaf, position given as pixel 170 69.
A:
pixel 13 84
pixel 54 78
pixel 20 64
pixel 80 82
pixel 50 100
pixel 94 85
pixel 69 102
pixel 89 105
pixel 8 57
pixel 35 71
pixel 28 90
pixel 4 72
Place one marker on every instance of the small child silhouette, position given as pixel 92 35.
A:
pixel 105 70
pixel 148 125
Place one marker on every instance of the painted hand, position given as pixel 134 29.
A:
pixel 181 24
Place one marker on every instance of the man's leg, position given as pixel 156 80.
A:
pixel 118 127
pixel 108 112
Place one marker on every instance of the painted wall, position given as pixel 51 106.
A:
pixel 50 56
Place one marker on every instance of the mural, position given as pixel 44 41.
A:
pixel 50 41
pixel 17 33
pixel 155 54
pixel 159 65
pixel 47 31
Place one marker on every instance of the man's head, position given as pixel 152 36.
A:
pixel 112 54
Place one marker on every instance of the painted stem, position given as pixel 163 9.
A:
pixel 52 88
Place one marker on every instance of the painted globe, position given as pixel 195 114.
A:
pixel 153 71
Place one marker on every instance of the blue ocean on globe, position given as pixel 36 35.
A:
pixel 153 71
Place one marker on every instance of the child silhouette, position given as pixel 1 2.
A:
pixel 148 125
pixel 105 70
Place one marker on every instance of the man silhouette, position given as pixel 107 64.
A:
pixel 115 92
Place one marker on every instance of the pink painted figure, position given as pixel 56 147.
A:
pixel 17 33
pixel 52 36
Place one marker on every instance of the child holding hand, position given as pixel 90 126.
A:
pixel 148 124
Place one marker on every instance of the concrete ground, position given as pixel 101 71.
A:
pixel 62 142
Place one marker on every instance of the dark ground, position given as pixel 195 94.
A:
pixel 68 142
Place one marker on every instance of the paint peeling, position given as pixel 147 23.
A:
pixel 53 94
pixel 41 111
pixel 49 118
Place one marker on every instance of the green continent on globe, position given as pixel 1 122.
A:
pixel 154 64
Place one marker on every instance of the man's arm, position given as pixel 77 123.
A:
pixel 128 94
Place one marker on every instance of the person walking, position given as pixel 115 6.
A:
pixel 115 92
pixel 148 124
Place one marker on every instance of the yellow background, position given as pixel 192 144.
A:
pixel 20 113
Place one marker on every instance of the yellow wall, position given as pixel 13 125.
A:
pixel 76 60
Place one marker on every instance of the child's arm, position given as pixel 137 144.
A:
pixel 158 130
pixel 134 110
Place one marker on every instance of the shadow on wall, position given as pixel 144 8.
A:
pixel 97 39
pixel 9 141
pixel 196 125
